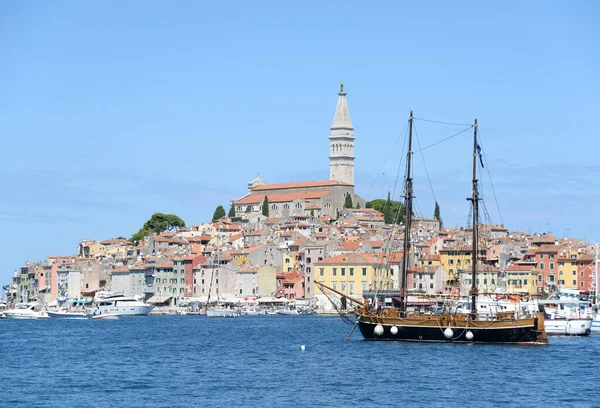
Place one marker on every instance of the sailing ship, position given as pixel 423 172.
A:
pixel 401 324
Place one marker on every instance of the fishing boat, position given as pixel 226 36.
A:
pixel 402 324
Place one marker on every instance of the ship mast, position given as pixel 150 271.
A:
pixel 407 219
pixel 475 200
pixel 596 280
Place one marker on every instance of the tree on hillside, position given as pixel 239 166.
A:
pixel 391 210
pixel 157 224
pixel 388 217
pixel 219 213
pixel 265 207
pixel 348 202
pixel 231 213
pixel 436 214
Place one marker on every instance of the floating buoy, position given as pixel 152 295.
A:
pixel 448 333
pixel 302 347
pixel 469 335
pixel 394 330
pixel 378 330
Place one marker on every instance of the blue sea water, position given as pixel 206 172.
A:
pixel 257 361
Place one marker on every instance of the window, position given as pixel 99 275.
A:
pixel 364 286
pixel 364 271
pixel 343 271
pixel 574 273
pixel 542 266
pixel 343 286
pixel 574 282
pixel 560 272
pixel 334 272
pixel 321 271
pixel 485 281
pixel 493 281
pixel 581 284
pixel 551 278
pixel 540 278
pixel 551 265
pixel 561 282
pixel 525 282
pixel 581 274
pixel 351 287
pixel 334 285
pixel 431 286
pixel 541 256
pixel 551 256
pixel 351 271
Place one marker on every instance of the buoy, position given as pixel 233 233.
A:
pixel 448 333
pixel 394 330
pixel 469 335
pixel 378 330
pixel 302 347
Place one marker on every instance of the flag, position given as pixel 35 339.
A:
pixel 479 153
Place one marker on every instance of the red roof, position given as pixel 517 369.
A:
pixel 302 184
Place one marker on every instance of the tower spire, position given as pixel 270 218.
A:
pixel 341 142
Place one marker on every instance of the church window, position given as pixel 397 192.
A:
pixel 273 206
pixel 286 206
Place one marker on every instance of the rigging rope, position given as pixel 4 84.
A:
pixel 443 123
pixel 490 177
pixel 443 140
pixel 424 164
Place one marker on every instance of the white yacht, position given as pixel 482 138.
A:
pixel 25 311
pixel 121 306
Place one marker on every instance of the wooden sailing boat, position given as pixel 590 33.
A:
pixel 399 324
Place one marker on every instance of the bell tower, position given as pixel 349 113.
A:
pixel 341 142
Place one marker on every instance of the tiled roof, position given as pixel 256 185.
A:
pixel 303 184
pixel 282 197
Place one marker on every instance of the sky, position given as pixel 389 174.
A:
pixel 111 111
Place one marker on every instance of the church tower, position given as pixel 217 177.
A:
pixel 341 142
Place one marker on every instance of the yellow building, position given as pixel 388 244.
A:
pixel 521 279
pixel 353 274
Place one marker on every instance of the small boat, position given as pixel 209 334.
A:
pixel 222 312
pixel 66 314
pixel 105 316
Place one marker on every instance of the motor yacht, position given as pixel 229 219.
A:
pixel 121 305
pixel 25 311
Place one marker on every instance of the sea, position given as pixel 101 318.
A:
pixel 278 361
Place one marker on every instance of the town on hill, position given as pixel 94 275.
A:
pixel 278 239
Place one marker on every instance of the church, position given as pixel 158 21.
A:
pixel 322 198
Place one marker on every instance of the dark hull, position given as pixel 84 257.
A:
pixel 515 334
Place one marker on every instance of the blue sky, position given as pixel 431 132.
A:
pixel 111 111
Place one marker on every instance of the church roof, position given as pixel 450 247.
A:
pixel 282 197
pixel 302 184
pixel 341 118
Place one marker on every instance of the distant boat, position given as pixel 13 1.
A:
pixel 222 312
pixel 105 317
pixel 24 311
pixel 122 306
pixel 65 314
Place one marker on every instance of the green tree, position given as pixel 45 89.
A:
pixel 312 212
pixel 393 211
pixel 157 224
pixel 248 209
pixel 388 216
pixel 265 207
pixel 231 213
pixel 348 202
pixel 219 213
pixel 357 206
pixel 436 214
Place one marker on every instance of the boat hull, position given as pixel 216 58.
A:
pixel 127 310
pixel 222 313
pixel 434 329
pixel 67 315
pixel 568 327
